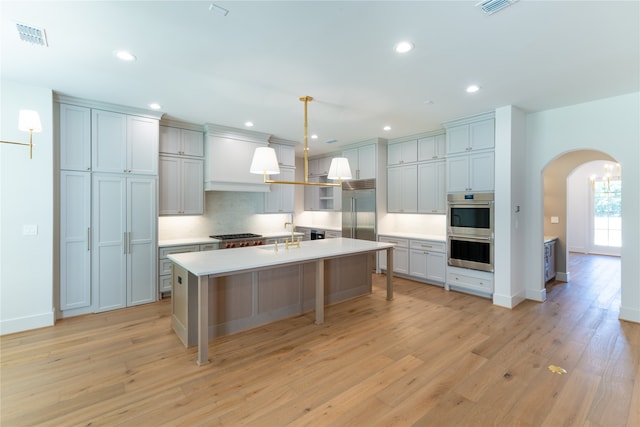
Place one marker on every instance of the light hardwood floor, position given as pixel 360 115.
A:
pixel 428 358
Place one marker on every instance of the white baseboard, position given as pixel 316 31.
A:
pixel 508 301
pixel 630 314
pixel 539 295
pixel 10 326
pixel 563 276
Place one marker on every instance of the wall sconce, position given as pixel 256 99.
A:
pixel 28 121
pixel 265 162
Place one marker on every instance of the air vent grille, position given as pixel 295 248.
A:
pixel 493 6
pixel 31 34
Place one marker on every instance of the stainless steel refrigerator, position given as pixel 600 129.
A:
pixel 359 209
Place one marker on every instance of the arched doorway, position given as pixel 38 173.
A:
pixel 556 199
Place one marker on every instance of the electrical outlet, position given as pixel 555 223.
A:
pixel 30 230
pixel 555 220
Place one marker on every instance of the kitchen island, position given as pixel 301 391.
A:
pixel 222 291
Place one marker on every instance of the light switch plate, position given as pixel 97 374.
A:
pixel 555 220
pixel 30 230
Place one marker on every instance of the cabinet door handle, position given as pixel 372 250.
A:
pixel 88 238
pixel 129 242
pixel 124 243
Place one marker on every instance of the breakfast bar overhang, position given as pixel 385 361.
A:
pixel 194 273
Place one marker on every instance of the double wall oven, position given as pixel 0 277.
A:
pixel 470 230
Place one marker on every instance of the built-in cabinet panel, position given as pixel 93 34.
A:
pixel 281 197
pixel 318 198
pixel 402 194
pixel 181 185
pixel 432 148
pixel 108 212
pixel 472 136
pixel 286 155
pixel 75 240
pixel 402 152
pixel 432 197
pixel 184 142
pixel 123 143
pixel 75 138
pixel 422 260
pixel 474 172
pixel 124 240
pixel 362 161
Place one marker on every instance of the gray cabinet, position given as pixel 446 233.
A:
pixel 473 172
pixel 75 240
pixel 402 193
pixel 362 161
pixel 432 148
pixel 402 152
pixel 184 142
pixel 181 185
pixel 472 136
pixel 124 240
pixel 281 197
pixel 400 255
pixel 75 137
pixel 432 193
pixel 549 260
pixel 427 261
pixel 122 143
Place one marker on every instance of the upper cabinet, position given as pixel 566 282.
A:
pixel 124 144
pixel 472 136
pixel 184 142
pixel 402 152
pixel 75 137
pixel 286 155
pixel 362 161
pixel 432 148
pixel 470 154
pixel 319 166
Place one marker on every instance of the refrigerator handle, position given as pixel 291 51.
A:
pixel 355 218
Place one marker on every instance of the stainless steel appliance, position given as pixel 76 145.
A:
pixel 317 234
pixel 359 209
pixel 470 230
pixel 239 240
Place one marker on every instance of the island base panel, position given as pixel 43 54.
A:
pixel 246 300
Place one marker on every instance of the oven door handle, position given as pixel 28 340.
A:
pixel 472 238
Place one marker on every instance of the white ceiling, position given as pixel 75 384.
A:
pixel 254 63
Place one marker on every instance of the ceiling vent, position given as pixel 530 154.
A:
pixel 31 34
pixel 492 6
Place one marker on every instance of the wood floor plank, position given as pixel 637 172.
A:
pixel 428 358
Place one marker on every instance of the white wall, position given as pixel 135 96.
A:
pixel 26 198
pixel 609 125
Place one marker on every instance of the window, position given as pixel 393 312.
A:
pixel 607 212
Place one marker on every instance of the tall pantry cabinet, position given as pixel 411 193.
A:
pixel 108 207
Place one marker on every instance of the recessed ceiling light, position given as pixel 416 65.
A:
pixel 404 47
pixel 428 102
pixel 248 124
pixel 314 136
pixel 125 56
pixel 155 106
pixel 387 128
pixel 473 88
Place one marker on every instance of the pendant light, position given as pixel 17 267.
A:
pixel 265 162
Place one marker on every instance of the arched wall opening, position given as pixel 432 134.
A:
pixel 555 197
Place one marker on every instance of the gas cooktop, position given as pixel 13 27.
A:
pixel 236 236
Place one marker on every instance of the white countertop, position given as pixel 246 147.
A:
pixel 548 239
pixel 417 236
pixel 226 261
